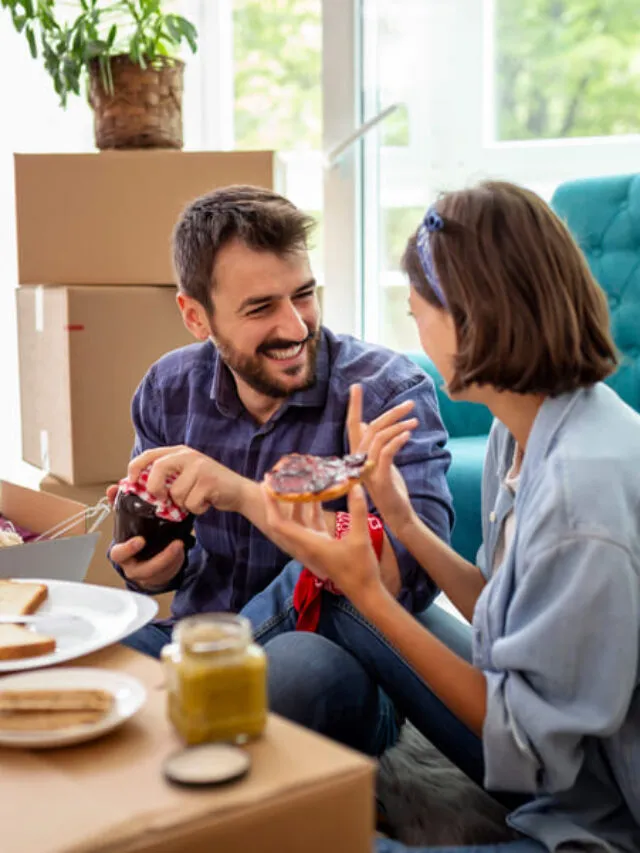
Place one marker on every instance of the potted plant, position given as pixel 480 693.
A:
pixel 127 52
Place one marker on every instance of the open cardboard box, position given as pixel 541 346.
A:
pixel 64 558
pixel 100 571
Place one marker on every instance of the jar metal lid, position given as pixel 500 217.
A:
pixel 207 764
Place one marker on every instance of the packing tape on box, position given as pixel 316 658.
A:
pixel 93 517
pixel 44 449
pixel 39 309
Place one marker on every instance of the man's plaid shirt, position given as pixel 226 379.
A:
pixel 189 397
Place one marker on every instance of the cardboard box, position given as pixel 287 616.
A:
pixel 304 794
pixel 108 217
pixel 82 353
pixel 66 558
pixel 100 570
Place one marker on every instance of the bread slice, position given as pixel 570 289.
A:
pixel 46 721
pixel 20 599
pixel 63 699
pixel 18 642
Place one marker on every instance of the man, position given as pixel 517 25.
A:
pixel 266 379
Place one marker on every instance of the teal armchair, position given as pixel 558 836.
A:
pixel 604 216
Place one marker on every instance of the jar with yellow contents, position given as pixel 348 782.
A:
pixel 216 679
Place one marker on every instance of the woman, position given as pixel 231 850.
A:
pixel 548 713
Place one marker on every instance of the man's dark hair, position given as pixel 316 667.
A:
pixel 259 218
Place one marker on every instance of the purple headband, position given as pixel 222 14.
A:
pixel 432 222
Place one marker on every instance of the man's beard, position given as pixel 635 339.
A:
pixel 253 370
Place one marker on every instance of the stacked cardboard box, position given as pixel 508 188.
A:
pixel 96 302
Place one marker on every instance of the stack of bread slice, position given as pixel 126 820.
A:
pixel 16 641
pixel 50 710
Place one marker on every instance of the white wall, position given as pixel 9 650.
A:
pixel 31 121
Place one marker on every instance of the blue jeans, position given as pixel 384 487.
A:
pixel 311 680
pixel 358 662
pixel 338 681
pixel 371 663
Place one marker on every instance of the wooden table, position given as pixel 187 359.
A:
pixel 304 793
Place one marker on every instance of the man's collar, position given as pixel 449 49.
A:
pixel 224 392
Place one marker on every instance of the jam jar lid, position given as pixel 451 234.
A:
pixel 207 764
pixel 213 633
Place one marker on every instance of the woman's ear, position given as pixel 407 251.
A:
pixel 194 316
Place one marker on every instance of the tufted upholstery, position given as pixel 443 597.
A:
pixel 604 216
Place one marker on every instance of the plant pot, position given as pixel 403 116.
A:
pixel 144 109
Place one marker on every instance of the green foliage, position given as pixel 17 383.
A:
pixel 567 68
pixel 70 36
pixel 564 68
pixel 278 73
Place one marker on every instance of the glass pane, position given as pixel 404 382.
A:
pixel 395 192
pixel 278 70
pixel 566 68
pixel 277 52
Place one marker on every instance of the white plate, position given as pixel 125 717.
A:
pixel 129 696
pixel 105 615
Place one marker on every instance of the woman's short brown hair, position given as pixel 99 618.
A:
pixel 529 316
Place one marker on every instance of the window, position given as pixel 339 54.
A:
pixel 567 68
pixel 277 95
pixel 533 91
pixel 256 83
pixel 32 122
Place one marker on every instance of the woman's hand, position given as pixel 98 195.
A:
pixel 381 440
pixel 300 530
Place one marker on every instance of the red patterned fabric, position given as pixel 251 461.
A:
pixel 307 596
pixel 165 507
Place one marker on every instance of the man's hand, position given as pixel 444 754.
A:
pixel 201 482
pixel 148 574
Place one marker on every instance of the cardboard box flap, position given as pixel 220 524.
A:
pixel 66 558
pixel 37 511
pixel 276 827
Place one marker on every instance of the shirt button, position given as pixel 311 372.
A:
pixel 492 517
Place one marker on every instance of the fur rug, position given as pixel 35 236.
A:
pixel 428 801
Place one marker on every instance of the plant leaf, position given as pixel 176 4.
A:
pixel 32 42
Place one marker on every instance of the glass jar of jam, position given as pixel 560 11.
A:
pixel 216 679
